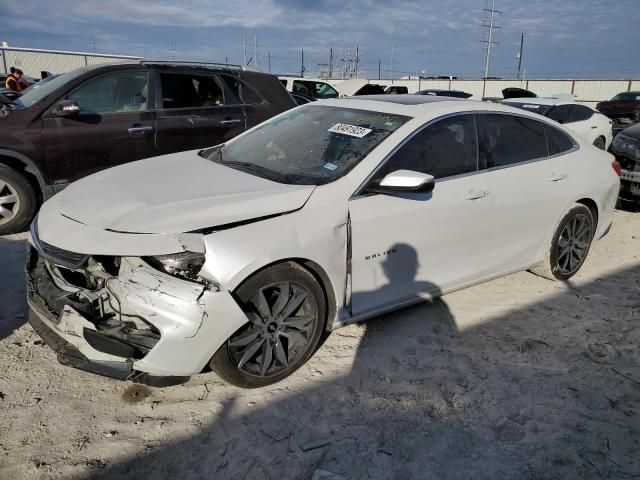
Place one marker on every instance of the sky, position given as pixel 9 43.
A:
pixel 563 39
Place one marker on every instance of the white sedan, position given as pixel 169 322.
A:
pixel 239 257
pixel 591 125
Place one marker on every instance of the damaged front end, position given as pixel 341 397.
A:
pixel 124 316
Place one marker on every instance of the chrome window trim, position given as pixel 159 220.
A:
pixel 358 192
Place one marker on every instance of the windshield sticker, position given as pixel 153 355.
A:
pixel 351 130
pixel 330 166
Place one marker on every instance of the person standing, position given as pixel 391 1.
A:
pixel 12 82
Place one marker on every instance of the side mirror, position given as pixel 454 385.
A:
pixel 66 108
pixel 404 181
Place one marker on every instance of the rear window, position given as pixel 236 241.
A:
pixel 559 142
pixel 530 107
pixel 627 96
pixel 510 139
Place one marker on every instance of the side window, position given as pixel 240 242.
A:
pixel 113 92
pixel 324 90
pixel 240 91
pixel 558 141
pixel 580 113
pixel 560 113
pixel 190 91
pixel 446 148
pixel 509 139
pixel 304 88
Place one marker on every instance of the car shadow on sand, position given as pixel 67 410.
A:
pixel 12 284
pixel 527 394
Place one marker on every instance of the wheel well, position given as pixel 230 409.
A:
pixel 21 167
pixel 319 274
pixel 591 205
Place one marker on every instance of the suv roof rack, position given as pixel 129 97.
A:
pixel 179 62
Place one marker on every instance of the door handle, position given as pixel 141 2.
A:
pixel 233 121
pixel 557 176
pixel 476 194
pixel 594 126
pixel 140 129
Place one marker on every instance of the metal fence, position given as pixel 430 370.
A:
pixel 586 91
pixel 32 61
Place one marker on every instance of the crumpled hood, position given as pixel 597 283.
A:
pixel 175 193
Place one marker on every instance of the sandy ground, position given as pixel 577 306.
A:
pixel 519 378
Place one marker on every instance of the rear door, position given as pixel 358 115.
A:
pixel 115 125
pixel 584 123
pixel 195 109
pixel 530 185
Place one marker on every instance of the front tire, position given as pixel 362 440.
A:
pixel 569 246
pixel 17 201
pixel 287 311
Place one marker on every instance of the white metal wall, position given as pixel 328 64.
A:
pixel 32 61
pixel 586 91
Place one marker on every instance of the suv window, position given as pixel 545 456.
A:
pixel 559 142
pixel 314 89
pixel 560 113
pixel 113 92
pixel 509 139
pixel 240 90
pixel 580 113
pixel 181 90
pixel 446 148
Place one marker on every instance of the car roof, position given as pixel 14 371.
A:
pixel 542 101
pixel 418 105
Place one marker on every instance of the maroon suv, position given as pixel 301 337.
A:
pixel 104 115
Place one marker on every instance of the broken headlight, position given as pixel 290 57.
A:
pixel 185 265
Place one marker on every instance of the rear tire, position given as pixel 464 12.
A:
pixel 569 245
pixel 600 143
pixel 18 201
pixel 287 311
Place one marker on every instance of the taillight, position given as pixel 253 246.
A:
pixel 616 168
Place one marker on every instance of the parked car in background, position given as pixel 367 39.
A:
pixel 444 93
pixel 104 115
pixel 591 125
pixel 623 109
pixel 396 90
pixel 309 87
pixel 241 256
pixel 302 99
pixel 626 148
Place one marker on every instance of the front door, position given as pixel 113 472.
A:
pixel 115 125
pixel 411 244
pixel 196 110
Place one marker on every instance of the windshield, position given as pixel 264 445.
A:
pixel 627 96
pixel 309 145
pixel 38 91
pixel 530 107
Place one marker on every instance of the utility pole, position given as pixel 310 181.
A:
pixel 391 67
pixel 171 49
pixel 93 41
pixel 357 61
pixel 330 62
pixel 269 60
pixel 491 20
pixel 520 54
pixel 255 51
pixel 226 60
pixel 379 71
pixel 244 50
pixel 302 64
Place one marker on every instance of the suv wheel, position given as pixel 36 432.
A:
pixel 570 245
pixel 17 201
pixel 286 308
